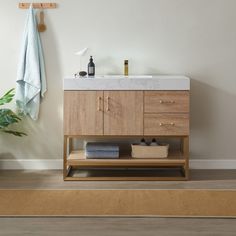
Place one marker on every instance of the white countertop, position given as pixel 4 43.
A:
pixel 142 82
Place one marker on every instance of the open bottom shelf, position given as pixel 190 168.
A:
pixel 126 174
pixel 77 158
pixel 125 168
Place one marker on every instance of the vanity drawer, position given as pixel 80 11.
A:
pixel 166 101
pixel 166 124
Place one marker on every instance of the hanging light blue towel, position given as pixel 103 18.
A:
pixel 31 76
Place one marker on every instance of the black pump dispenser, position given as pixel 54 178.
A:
pixel 91 67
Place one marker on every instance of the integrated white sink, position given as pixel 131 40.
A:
pixel 132 82
pixel 123 77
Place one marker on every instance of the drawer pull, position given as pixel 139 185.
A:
pixel 99 104
pixel 108 108
pixel 167 124
pixel 167 102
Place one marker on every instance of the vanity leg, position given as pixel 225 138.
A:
pixel 65 171
pixel 70 144
pixel 185 150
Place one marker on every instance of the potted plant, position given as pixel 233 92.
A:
pixel 7 116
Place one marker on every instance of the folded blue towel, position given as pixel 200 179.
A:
pixel 93 146
pixel 102 154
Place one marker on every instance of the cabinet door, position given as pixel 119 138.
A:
pixel 123 113
pixel 83 112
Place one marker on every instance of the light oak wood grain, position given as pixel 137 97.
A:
pixel 51 5
pixel 166 124
pixel 185 147
pixel 83 113
pixel 123 113
pixel 77 158
pixel 166 101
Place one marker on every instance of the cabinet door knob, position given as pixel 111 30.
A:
pixel 108 103
pixel 99 104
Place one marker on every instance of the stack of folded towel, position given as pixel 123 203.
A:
pixel 101 150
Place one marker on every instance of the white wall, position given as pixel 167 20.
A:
pixel 192 37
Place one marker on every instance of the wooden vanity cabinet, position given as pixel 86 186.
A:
pixel 126 114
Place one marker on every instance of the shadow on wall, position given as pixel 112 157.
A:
pixel 211 122
pixel 201 105
pixel 45 136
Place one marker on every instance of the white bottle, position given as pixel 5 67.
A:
pixel 154 142
pixel 143 142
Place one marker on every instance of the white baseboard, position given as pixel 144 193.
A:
pixel 57 164
pixel 31 164
pixel 212 164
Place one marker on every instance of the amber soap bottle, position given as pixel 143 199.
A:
pixel 126 67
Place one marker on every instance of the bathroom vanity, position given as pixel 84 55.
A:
pixel 127 107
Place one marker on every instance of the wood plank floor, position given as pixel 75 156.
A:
pixel 199 179
pixel 52 179
pixel 117 226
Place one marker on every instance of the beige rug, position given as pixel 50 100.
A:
pixel 165 203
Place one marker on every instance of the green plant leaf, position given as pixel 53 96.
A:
pixel 8 117
pixel 16 133
pixel 7 97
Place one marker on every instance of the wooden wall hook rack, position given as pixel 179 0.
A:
pixel 23 5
